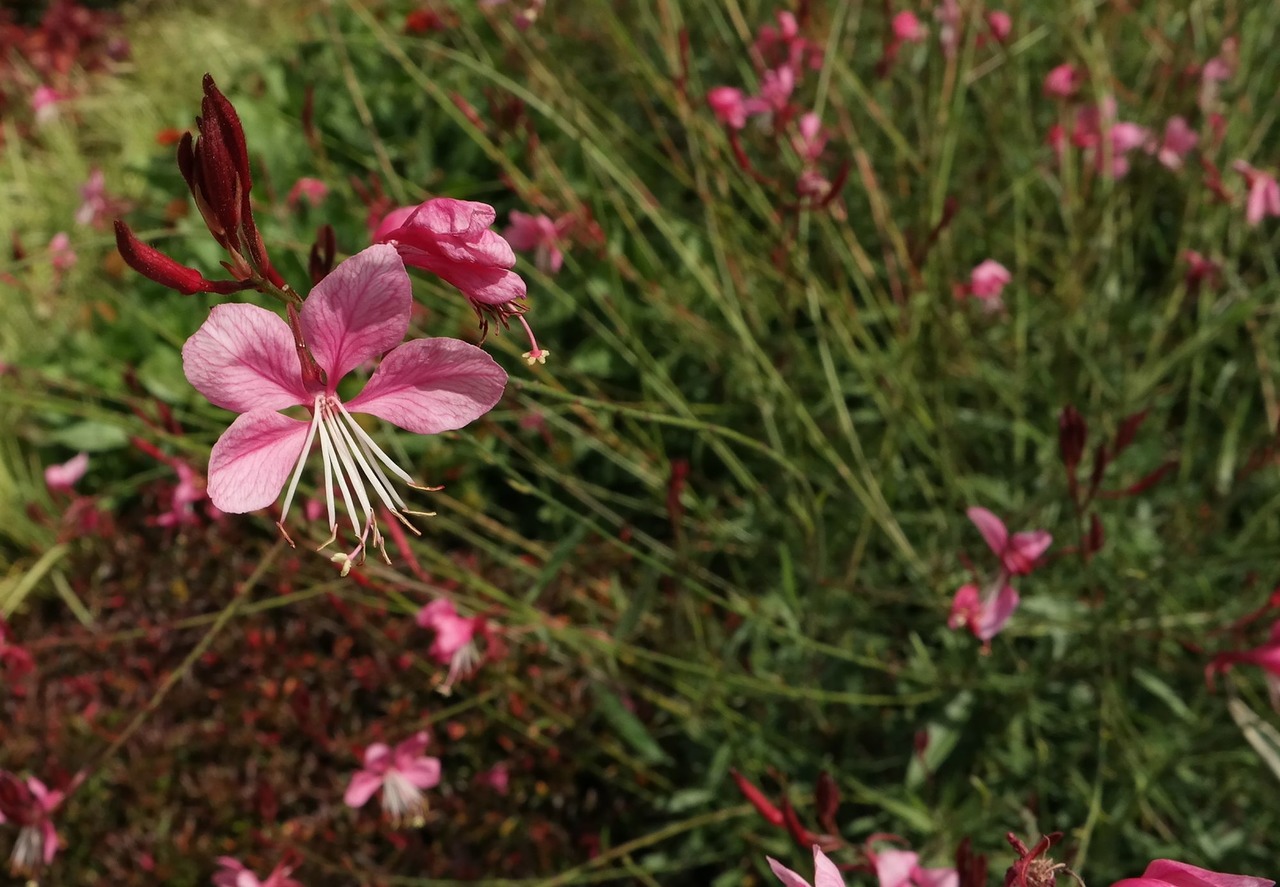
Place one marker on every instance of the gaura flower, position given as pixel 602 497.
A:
pixel 452 239
pixel 314 191
pixel 29 804
pixel 901 868
pixel 454 644
pixel 1168 873
pixel 825 873
pixel 61 256
pixel 907 28
pixel 402 774
pixel 1179 140
pixel 1264 193
pixel 245 359
pixel 1018 553
pixel 65 476
pixel 233 873
pixel 986 282
pixel 728 105
pixel 984 614
pixel 540 234
pixel 1000 23
pixel 1063 81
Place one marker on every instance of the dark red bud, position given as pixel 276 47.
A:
pixel 826 798
pixel 763 805
pixel 804 838
pixel 1127 431
pixel 1072 434
pixel 971 867
pixel 1146 483
pixel 155 265
pixel 228 124
pixel 1094 541
pixel 1100 460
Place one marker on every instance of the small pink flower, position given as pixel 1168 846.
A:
pixel 907 28
pixel 540 234
pixel 1018 553
pixel 901 868
pixel 62 478
pixel 1266 657
pixel 986 283
pixel 728 106
pixel 452 239
pixel 45 101
pixel 61 255
pixel 1001 24
pixel 1264 193
pixel 454 644
pixel 233 873
pixel 948 15
pixel 1179 141
pixel 190 491
pixel 825 873
pixel 497 777
pixel 313 190
pixel 984 615
pixel 93 199
pixel 776 87
pixel 30 805
pixel 1167 873
pixel 244 359
pixel 402 774
pixel 1062 82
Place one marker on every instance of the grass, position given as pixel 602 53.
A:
pixel 781 610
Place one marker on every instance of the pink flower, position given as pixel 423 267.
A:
pixel 61 255
pixel 901 868
pixel 1001 25
pixel 728 106
pixel 825 873
pixel 187 493
pixel 1097 123
pixel 775 91
pixel 986 283
pixel 314 190
pixel 1062 82
pixel 907 28
pixel 93 199
pixel 45 101
pixel 402 774
pixel 1167 873
pixel 244 359
pixel 497 777
pixel 984 615
pixel 452 239
pixel 454 644
pixel 811 140
pixel 540 234
pixel 1218 70
pixel 948 15
pixel 64 477
pixel 233 873
pixel 1179 141
pixel 1264 193
pixel 1018 553
pixel 30 805
pixel 1266 657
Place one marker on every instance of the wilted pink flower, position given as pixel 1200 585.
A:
pixel 983 614
pixel 314 190
pixel 454 644
pixel 1000 23
pixel 1018 553
pixel 1167 873
pixel 1179 140
pixel 233 873
pixel 29 804
pixel 402 774
pixel 986 283
pixel 1264 193
pixel 901 868
pixel 244 358
pixel 728 105
pixel 825 873
pixel 1062 82
pixel 540 234
pixel 907 28
pixel 45 101
pixel 452 239
pixel 61 255
pixel 1266 657
pixel 65 476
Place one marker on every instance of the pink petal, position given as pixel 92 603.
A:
pixel 996 612
pixel 965 607
pixel 1025 549
pixel 251 461
pixel 825 873
pixel 447 215
pixel 943 877
pixel 50 841
pixel 377 757
pixel 242 358
pixel 412 748
pixel 785 875
pixel 991 528
pixel 523 232
pixel 360 310
pixel 364 785
pixel 1180 874
pixel 431 385
pixel 442 608
pixel 423 773
pixel 894 867
pixel 64 477
pixel 393 220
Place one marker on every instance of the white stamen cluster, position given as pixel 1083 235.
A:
pixel 402 801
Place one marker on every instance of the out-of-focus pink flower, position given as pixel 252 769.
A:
pixel 1097 123
pixel 64 477
pixel 1200 269
pixel 1062 82
pixel 190 490
pixel 30 805
pixel 402 773
pixel 776 87
pixel 1266 657
pixel 986 283
pixel 313 190
pixel 1168 873
pixel 948 15
pixel 61 255
pixel 1264 193
pixel 811 139
pixel 454 644
pixel 93 199
pixel 728 105
pixel 540 234
pixel 825 873
pixel 907 28
pixel 244 358
pixel 497 777
pixel 233 873
pixel 1018 553
pixel 783 46
pixel 983 614
pixel 1218 70
pixel 1000 23
pixel 45 101
pixel 453 240
pixel 901 868
pixel 1179 141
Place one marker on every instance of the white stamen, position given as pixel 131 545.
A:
pixel 297 469
pixel 326 441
